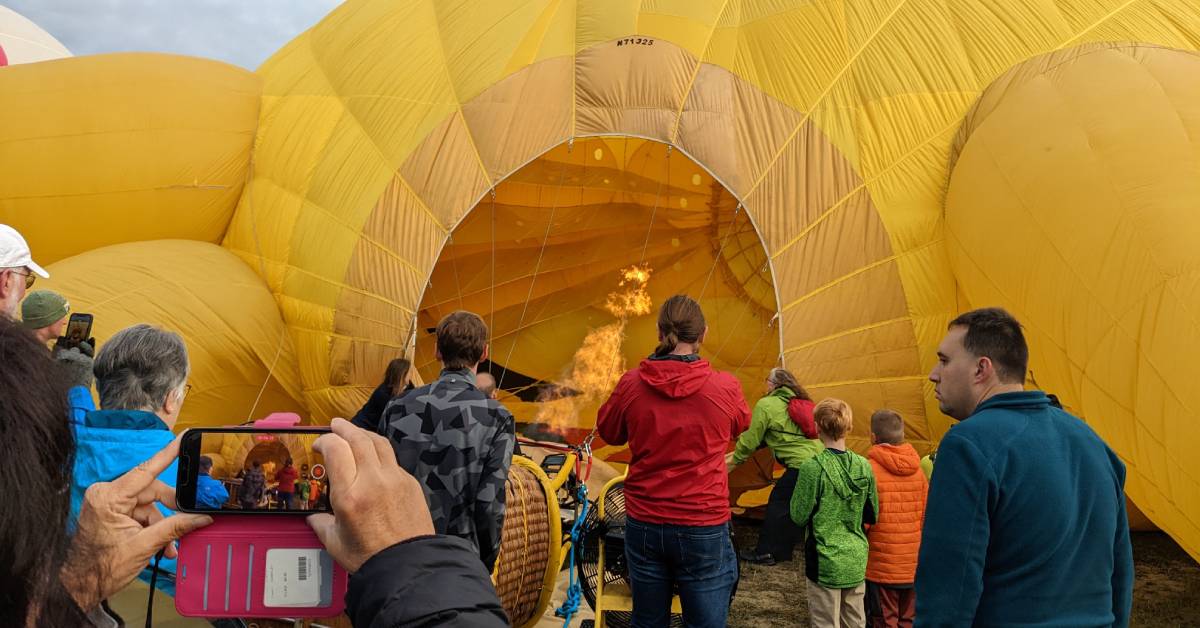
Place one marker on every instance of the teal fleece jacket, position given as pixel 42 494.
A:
pixel 835 495
pixel 1025 523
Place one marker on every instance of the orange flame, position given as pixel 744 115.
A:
pixel 597 364
pixel 633 300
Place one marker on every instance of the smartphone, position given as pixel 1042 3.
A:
pixel 244 470
pixel 79 329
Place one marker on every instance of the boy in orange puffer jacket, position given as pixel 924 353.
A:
pixel 895 539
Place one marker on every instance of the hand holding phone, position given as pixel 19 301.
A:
pixel 120 529
pixel 250 471
pixel 376 504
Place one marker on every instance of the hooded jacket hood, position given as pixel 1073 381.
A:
pixel 675 378
pixel 901 460
pixel 837 469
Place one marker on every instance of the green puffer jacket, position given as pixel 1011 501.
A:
pixel 835 495
pixel 770 422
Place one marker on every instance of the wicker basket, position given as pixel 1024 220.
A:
pixel 526 544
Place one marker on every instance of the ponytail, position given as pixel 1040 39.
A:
pixel 679 320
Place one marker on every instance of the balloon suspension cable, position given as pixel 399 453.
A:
pixel 738 321
pixel 262 269
pixel 769 327
pixel 492 290
pixel 721 251
pixel 654 210
pixel 533 278
pixel 454 267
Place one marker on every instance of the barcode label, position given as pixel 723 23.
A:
pixel 293 577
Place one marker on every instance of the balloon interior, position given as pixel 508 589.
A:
pixel 833 181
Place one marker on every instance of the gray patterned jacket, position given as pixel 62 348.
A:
pixel 458 444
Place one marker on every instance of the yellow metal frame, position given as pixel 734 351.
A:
pixel 558 549
pixel 614 598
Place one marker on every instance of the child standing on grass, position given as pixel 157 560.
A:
pixel 835 495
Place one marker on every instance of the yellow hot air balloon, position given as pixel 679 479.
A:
pixel 787 162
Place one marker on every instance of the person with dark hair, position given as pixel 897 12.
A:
pixel 210 492
pixel 254 486
pixel 678 416
pixel 141 375
pixel 402 572
pixel 47 577
pixel 457 442
pixel 396 382
pixel 896 536
pixel 1026 521
pixel 783 421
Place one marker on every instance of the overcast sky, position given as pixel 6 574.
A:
pixel 242 32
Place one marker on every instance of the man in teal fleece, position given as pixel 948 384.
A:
pixel 141 375
pixel 1025 523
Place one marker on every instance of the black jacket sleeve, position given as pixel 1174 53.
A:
pixel 372 411
pixel 426 581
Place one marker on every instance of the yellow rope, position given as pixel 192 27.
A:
pixel 525 529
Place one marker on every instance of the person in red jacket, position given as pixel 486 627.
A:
pixel 678 416
pixel 895 539
pixel 287 477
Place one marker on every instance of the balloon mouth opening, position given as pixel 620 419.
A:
pixel 571 257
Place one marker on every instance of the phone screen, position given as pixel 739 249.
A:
pixel 79 329
pixel 246 470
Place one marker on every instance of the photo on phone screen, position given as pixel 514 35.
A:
pixel 79 329
pixel 247 470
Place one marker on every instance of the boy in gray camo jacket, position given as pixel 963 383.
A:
pixel 456 441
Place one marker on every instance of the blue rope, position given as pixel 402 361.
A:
pixel 574 590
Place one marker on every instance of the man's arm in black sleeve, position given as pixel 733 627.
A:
pixel 424 582
pixel 489 500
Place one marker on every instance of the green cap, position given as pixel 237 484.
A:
pixel 43 308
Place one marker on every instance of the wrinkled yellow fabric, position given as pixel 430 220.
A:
pixel 381 135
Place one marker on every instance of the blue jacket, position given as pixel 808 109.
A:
pixel 109 443
pixel 1025 523
pixel 80 401
pixel 210 493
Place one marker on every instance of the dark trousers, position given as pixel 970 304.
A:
pixel 779 534
pixel 699 559
pixel 890 607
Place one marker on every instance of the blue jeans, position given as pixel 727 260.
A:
pixel 699 560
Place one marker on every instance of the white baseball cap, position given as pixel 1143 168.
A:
pixel 14 252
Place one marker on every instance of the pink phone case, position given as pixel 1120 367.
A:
pixel 222 567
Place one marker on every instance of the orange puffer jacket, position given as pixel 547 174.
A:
pixel 896 537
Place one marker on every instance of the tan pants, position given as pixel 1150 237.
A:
pixel 836 608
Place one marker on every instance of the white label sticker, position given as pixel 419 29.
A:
pixel 293 577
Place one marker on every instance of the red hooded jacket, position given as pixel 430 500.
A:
pixel 678 418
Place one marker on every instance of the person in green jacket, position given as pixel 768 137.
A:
pixel 835 495
pixel 783 421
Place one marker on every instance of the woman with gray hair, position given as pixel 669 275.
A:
pixel 141 374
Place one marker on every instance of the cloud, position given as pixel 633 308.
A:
pixel 241 32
